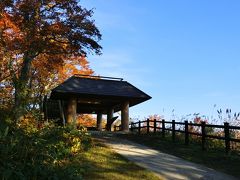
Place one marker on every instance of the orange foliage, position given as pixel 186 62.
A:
pixel 152 118
pixel 41 44
pixel 155 116
pixel 74 65
pixel 86 120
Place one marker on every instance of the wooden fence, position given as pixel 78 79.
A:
pixel 154 126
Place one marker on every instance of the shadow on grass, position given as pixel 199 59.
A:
pixel 103 163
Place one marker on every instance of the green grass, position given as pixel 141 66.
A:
pixel 100 162
pixel 60 153
pixel 213 157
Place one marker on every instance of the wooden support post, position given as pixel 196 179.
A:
pixel 99 121
pixel 139 127
pixel 163 128
pixel 203 127
pixel 131 126
pixel 109 118
pixel 72 111
pixel 125 116
pixel 61 112
pixel 186 133
pixel 227 137
pixel 148 126
pixel 155 126
pixel 173 130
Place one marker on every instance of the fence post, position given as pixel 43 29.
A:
pixel 139 127
pixel 186 133
pixel 155 126
pixel 148 126
pixel 115 128
pixel 163 128
pixel 203 128
pixel 131 126
pixel 173 130
pixel 227 137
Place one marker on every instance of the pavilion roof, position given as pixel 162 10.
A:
pixel 112 90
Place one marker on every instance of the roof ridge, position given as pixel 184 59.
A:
pixel 97 77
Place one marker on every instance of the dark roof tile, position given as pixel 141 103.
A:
pixel 102 87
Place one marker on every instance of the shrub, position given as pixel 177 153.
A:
pixel 40 154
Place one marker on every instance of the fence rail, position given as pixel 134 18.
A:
pixel 154 126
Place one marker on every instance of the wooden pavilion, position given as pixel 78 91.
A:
pixel 97 95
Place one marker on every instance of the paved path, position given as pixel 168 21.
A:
pixel 165 165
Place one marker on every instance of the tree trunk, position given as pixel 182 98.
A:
pixel 21 89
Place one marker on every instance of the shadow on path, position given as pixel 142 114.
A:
pixel 165 165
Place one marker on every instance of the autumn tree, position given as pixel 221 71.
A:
pixel 44 78
pixel 43 32
pixel 86 120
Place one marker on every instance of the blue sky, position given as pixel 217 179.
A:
pixel 185 54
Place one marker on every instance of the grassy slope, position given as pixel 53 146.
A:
pixel 102 163
pixel 52 153
pixel 214 158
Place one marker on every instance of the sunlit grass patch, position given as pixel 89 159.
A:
pixel 103 163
